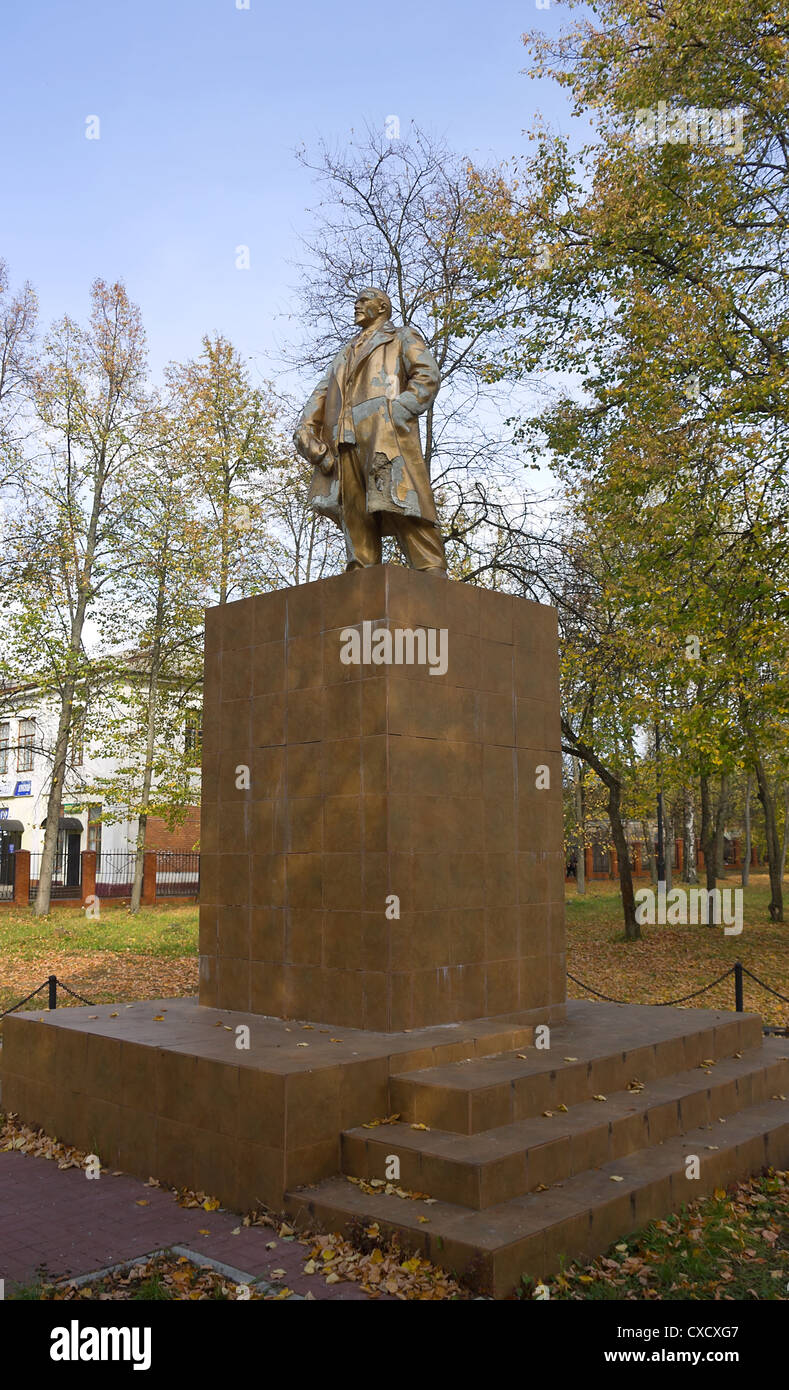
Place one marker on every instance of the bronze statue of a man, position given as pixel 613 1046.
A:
pixel 360 430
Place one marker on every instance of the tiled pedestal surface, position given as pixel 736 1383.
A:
pixel 161 1088
pixel 368 783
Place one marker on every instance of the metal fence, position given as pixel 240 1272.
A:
pixel 177 873
pixel 114 873
pixel 7 870
pixel 66 876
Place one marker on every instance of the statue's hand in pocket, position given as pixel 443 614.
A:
pixel 401 415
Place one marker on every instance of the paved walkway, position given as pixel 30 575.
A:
pixel 56 1222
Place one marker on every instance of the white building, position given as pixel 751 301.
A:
pixel 28 726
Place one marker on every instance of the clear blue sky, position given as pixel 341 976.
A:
pixel 201 107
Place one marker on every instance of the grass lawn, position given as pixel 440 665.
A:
pixel 116 956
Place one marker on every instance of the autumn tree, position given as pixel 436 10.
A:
pixel 157 684
pixel 91 408
pixel 658 268
pixel 18 314
pixel 224 430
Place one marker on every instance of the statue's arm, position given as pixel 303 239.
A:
pixel 424 377
pixel 307 435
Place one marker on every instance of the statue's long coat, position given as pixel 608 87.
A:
pixel 394 365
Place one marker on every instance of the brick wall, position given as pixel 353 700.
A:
pixel 186 836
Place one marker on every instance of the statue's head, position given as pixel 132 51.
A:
pixel 371 304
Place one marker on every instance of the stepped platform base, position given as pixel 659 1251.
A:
pixel 529 1156
pixel 161 1088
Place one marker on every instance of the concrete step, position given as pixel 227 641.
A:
pixel 478 1094
pixel 576 1219
pixel 482 1169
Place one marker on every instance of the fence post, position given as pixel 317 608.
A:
pixel 149 878
pixel 88 874
pixel 738 986
pixel 53 991
pixel 21 877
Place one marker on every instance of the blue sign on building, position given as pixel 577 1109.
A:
pixel 23 789
pixel 3 813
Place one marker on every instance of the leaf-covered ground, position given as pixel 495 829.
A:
pixel 671 961
pixel 729 1247
pixel 163 1278
pixel 116 956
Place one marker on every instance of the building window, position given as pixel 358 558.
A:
pixel 5 740
pixel 24 757
pixel 193 740
pixel 94 829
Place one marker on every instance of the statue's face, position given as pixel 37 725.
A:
pixel 367 309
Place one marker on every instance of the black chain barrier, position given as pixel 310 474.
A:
pixel 769 988
pixel 24 1001
pixel 74 994
pixel 661 1003
pixel 738 970
pixel 52 984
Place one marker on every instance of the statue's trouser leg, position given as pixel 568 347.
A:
pixel 420 542
pixel 362 531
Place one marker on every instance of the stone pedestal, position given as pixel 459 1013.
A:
pixel 382 843
pixel 382 861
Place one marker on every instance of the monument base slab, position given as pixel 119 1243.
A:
pixel 516 1145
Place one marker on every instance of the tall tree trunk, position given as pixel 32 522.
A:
pixel 580 835
pixel 632 929
pixel 785 841
pixel 708 845
pixel 689 870
pixel 669 853
pixel 614 788
pixel 649 851
pixel 150 744
pixel 224 547
pixel 745 869
pixel 720 826
pixel 55 799
pixel 776 908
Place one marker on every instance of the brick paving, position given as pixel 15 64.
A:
pixel 60 1223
